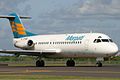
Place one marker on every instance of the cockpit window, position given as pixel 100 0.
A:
pixel 97 40
pixel 102 40
pixel 105 40
pixel 110 40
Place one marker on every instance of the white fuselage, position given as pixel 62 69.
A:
pixel 73 45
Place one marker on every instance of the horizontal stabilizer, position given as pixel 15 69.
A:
pixel 10 17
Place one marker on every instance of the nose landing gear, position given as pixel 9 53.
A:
pixel 99 64
pixel 99 61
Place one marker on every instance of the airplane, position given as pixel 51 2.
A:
pixel 76 45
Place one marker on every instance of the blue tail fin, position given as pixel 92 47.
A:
pixel 17 26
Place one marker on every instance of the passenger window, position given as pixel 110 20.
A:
pixel 98 40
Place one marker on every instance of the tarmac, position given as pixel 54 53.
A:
pixel 107 71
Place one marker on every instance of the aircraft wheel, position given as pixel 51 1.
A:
pixel 70 63
pixel 40 63
pixel 99 64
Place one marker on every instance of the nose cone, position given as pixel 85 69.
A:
pixel 114 49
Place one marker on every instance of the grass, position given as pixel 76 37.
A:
pixel 46 77
pixel 57 63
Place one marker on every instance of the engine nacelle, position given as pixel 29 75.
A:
pixel 25 44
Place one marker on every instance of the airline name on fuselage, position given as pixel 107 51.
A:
pixel 74 38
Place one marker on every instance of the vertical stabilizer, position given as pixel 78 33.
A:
pixel 17 27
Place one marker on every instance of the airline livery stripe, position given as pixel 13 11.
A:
pixel 19 25
pixel 22 33
pixel 20 29
pixel 12 22
pixel 12 25
pixel 14 30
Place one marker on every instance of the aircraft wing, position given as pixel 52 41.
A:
pixel 32 52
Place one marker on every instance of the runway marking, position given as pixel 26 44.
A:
pixel 38 71
pixel 106 72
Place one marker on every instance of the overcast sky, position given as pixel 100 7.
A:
pixel 62 16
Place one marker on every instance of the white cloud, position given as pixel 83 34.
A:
pixel 100 7
pixel 95 15
pixel 7 6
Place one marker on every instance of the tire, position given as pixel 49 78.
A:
pixel 40 63
pixel 99 64
pixel 70 63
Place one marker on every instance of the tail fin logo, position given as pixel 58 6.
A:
pixel 17 28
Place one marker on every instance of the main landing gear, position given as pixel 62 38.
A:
pixel 70 63
pixel 40 63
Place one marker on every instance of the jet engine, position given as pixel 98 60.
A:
pixel 24 44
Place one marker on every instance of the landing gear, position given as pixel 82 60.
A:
pixel 70 63
pixel 99 64
pixel 99 61
pixel 40 63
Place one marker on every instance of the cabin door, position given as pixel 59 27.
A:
pixel 86 45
